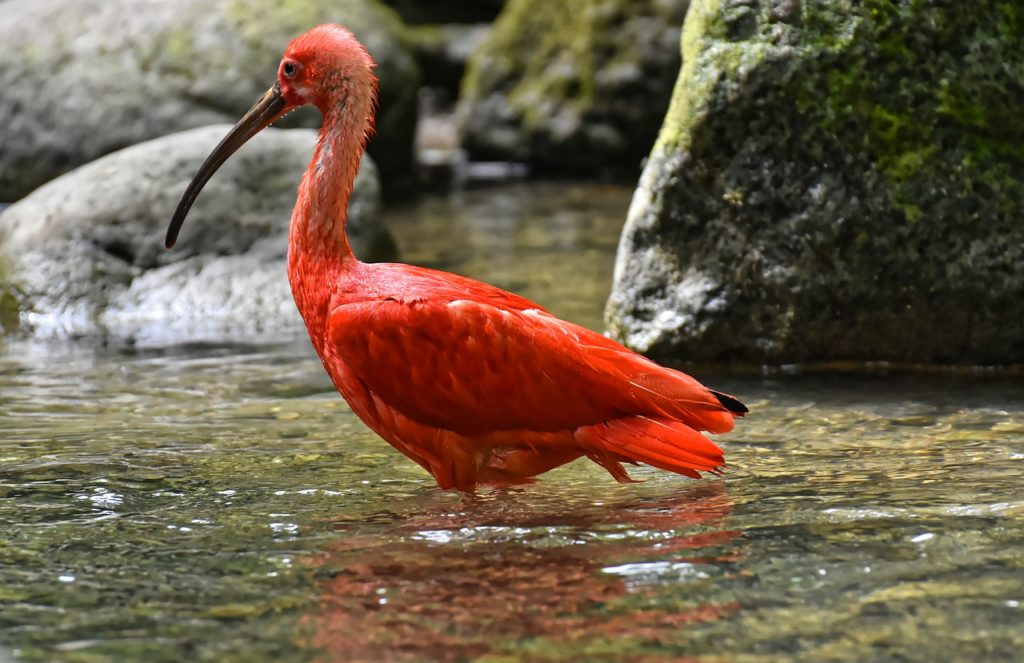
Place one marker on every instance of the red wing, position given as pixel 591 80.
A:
pixel 470 366
pixel 463 366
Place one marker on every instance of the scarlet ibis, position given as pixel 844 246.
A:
pixel 476 384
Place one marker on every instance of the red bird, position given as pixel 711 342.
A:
pixel 477 385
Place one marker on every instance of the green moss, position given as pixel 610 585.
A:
pixel 10 306
pixel 426 37
pixel 572 86
pixel 172 53
pixel 712 48
pixel 900 77
pixel 895 118
pixel 693 85
pixel 179 45
pixel 30 51
pixel 524 28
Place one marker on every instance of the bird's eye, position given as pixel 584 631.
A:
pixel 288 69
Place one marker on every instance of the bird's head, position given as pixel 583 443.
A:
pixel 326 67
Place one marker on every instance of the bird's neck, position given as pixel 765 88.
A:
pixel 318 249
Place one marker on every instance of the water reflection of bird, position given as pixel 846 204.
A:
pixel 639 578
pixel 477 385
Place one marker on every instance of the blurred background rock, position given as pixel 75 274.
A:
pixel 573 88
pixel 89 262
pixel 83 78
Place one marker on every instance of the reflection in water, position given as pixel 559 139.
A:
pixel 498 576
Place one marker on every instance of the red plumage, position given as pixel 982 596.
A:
pixel 475 384
pixel 482 386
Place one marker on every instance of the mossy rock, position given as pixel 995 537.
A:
pixel 834 181
pixel 575 87
pixel 443 50
pixel 82 79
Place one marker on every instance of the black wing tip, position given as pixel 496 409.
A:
pixel 730 403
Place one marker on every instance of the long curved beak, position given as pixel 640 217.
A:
pixel 270 108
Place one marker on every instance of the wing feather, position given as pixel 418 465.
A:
pixel 473 359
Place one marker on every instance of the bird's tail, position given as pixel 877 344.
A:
pixel 664 443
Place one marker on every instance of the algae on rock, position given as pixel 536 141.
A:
pixel 834 181
pixel 575 87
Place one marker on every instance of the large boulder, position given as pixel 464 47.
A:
pixel 576 87
pixel 84 78
pixel 83 255
pixel 834 181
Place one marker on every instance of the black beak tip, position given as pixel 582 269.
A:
pixel 269 108
pixel 171 239
pixel 178 220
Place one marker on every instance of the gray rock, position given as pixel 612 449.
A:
pixel 833 183
pixel 573 87
pixel 83 255
pixel 84 78
pixel 443 50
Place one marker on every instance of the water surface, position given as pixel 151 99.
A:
pixel 222 504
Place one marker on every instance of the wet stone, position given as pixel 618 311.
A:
pixel 83 256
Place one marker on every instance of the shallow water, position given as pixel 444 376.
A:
pixel 222 504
